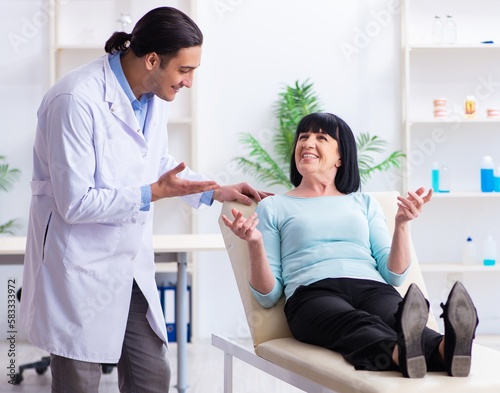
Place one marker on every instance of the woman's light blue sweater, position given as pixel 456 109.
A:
pixel 310 239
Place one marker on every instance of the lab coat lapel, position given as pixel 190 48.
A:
pixel 152 120
pixel 119 104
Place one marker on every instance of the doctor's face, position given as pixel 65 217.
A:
pixel 177 73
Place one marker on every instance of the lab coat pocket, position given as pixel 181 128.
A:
pixel 91 248
pixel 115 160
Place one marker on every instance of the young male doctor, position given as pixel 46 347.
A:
pixel 100 159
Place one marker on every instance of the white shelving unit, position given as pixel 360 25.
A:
pixel 78 31
pixel 453 71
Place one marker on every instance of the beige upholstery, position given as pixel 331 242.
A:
pixel 273 341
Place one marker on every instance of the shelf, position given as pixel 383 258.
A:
pixel 430 267
pixel 466 194
pixel 452 120
pixel 453 47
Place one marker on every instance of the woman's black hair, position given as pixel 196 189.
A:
pixel 163 30
pixel 347 179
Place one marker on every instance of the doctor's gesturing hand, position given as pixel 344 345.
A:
pixel 169 185
pixel 241 192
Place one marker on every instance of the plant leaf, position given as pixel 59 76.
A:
pixel 10 227
pixel 260 164
pixel 8 176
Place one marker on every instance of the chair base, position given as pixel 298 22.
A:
pixel 42 365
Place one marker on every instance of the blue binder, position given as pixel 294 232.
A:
pixel 168 300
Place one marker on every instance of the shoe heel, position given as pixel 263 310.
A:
pixel 416 367
pixel 460 366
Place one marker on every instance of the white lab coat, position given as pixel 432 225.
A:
pixel 87 238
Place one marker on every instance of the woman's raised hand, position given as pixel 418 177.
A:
pixel 244 228
pixel 411 206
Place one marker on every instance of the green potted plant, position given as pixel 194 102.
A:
pixel 272 167
pixel 8 176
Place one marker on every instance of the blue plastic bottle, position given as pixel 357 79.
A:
pixel 487 175
pixel 496 180
pixel 435 177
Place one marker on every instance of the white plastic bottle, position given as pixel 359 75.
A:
pixel 449 31
pixel 437 30
pixel 489 251
pixel 469 252
pixel 444 178
pixel 487 174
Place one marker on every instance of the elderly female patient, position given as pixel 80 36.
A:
pixel 327 247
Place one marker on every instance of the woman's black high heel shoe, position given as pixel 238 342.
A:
pixel 460 322
pixel 411 319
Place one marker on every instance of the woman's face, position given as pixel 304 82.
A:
pixel 317 154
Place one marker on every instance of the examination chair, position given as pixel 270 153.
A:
pixel 315 369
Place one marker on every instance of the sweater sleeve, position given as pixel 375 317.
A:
pixel 380 241
pixel 272 243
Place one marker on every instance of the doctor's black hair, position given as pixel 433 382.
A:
pixel 347 179
pixel 163 30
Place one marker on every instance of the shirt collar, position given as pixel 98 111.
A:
pixel 116 67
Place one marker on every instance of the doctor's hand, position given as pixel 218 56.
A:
pixel 241 192
pixel 169 185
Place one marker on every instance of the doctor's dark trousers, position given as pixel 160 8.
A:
pixel 356 318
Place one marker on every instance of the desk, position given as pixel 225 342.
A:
pixel 176 245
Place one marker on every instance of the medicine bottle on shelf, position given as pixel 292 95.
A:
pixel 437 30
pixel 489 251
pixel 469 252
pixel 444 178
pixel 496 180
pixel 470 107
pixel 487 175
pixel 435 177
pixel 449 31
